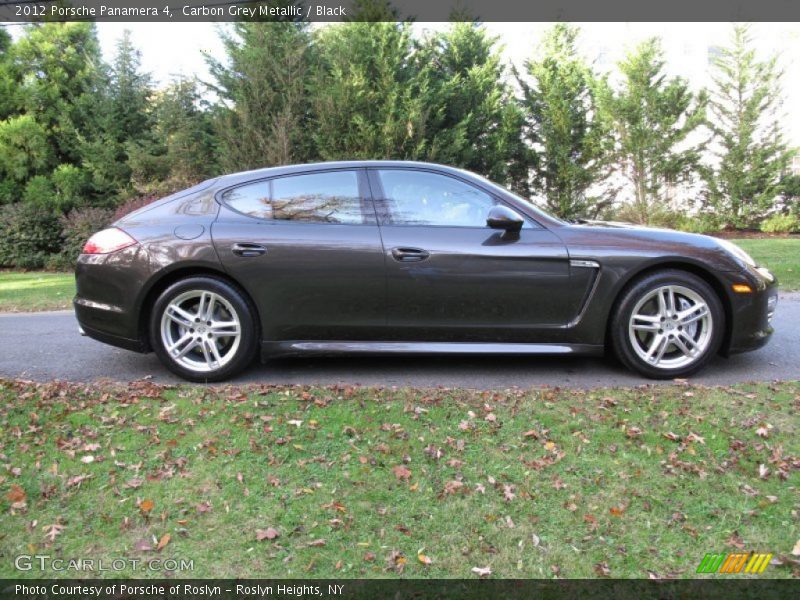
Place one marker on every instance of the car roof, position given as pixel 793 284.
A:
pixel 256 174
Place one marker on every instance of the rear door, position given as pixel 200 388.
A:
pixel 308 250
pixel 452 278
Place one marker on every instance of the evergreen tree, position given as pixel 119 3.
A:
pixel 568 137
pixel 261 119
pixel 654 118
pixel 61 77
pixel 60 70
pixel 473 121
pixel 368 101
pixel 751 154
pixel 9 84
pixel 182 153
pixel 125 122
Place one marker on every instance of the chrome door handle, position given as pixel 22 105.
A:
pixel 246 249
pixel 409 254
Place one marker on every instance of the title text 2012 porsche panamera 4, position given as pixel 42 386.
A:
pixel 398 257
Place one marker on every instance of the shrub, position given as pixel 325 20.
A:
pixel 703 223
pixel 28 235
pixel 669 219
pixel 77 226
pixel 781 223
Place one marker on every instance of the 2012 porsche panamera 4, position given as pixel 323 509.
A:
pixel 399 257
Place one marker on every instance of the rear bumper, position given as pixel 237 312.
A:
pixel 751 314
pixel 114 340
pixel 108 287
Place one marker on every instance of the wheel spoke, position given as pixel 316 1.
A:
pixel 182 340
pixel 186 349
pixel 212 303
pixel 646 322
pixel 180 316
pixel 658 346
pixel 671 301
pixel 202 305
pixel 681 345
pixel 224 328
pixel 206 354
pixel 662 303
pixel 695 313
pixel 689 340
pixel 212 344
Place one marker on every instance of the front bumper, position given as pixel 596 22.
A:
pixel 751 313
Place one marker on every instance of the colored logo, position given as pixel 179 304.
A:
pixel 734 563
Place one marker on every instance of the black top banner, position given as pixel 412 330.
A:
pixel 394 10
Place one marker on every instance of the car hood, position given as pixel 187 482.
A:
pixel 625 238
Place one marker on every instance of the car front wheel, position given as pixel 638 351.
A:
pixel 668 324
pixel 203 329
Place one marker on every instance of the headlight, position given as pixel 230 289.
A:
pixel 737 253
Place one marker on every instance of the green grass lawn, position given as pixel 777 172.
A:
pixel 363 482
pixel 35 290
pixel 779 255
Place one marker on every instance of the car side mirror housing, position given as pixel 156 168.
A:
pixel 502 217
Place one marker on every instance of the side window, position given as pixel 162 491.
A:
pixel 316 197
pixel 423 198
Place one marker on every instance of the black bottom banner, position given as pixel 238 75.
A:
pixel 410 589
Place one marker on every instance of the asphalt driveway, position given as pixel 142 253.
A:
pixel 45 346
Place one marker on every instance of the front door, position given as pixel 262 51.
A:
pixel 451 278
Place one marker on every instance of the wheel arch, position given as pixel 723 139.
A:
pixel 679 265
pixel 167 278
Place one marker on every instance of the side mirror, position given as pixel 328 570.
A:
pixel 502 217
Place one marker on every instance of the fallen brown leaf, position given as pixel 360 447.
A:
pixel 17 494
pixel 602 570
pixel 453 487
pixel 508 492
pixel 270 533
pixel 163 541
pixel 482 571
pixel 51 531
pixel 402 472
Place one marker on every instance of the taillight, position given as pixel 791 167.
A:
pixel 108 241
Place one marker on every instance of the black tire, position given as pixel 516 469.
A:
pixel 233 300
pixel 638 291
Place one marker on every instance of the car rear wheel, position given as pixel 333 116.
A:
pixel 203 329
pixel 668 324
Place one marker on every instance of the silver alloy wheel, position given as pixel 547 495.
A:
pixel 670 327
pixel 200 330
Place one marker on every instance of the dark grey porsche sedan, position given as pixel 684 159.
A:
pixel 401 257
